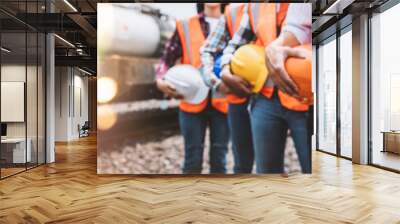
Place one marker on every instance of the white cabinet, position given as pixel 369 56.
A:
pixel 16 148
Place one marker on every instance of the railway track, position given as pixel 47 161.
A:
pixel 138 126
pixel 138 111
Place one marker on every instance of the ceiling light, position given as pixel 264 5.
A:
pixel 64 40
pixel 337 7
pixel 70 5
pixel 5 50
pixel 84 71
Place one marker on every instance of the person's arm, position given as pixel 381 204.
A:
pixel 214 44
pixel 243 35
pixel 172 52
pixel 296 31
pixel 298 23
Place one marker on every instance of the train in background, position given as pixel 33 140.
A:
pixel 134 29
pixel 131 39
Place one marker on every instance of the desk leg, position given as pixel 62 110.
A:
pixel 384 142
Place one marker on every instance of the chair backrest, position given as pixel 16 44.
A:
pixel 86 125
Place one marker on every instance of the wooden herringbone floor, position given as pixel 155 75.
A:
pixel 69 191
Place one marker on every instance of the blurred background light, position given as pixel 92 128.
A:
pixel 107 116
pixel 106 89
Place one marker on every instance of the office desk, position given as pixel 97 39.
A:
pixel 391 141
pixel 13 150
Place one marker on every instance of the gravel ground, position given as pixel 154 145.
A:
pixel 166 157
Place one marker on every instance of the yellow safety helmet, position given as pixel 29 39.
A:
pixel 248 62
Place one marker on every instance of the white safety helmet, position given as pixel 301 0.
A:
pixel 188 82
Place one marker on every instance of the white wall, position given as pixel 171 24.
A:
pixel 33 126
pixel 61 103
pixel 80 100
pixel 314 89
pixel 15 73
pixel 71 93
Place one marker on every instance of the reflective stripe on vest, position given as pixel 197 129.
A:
pixel 186 30
pixel 233 16
pixel 253 13
pixel 265 23
pixel 192 38
pixel 283 7
pixel 265 30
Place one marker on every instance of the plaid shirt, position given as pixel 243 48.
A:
pixel 173 49
pixel 219 40
pixel 214 45
pixel 243 35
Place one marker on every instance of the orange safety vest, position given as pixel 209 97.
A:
pixel 265 22
pixel 192 38
pixel 233 16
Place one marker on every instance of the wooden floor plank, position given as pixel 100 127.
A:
pixel 70 191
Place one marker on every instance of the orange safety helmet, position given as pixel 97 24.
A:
pixel 299 69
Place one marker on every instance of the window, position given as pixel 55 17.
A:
pixel 22 77
pixel 327 96
pixel 385 89
pixel 346 93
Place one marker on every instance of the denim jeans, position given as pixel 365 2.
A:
pixel 242 142
pixel 193 127
pixel 310 123
pixel 270 123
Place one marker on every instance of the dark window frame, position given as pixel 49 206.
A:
pixel 30 29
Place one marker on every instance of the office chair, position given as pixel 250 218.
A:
pixel 84 130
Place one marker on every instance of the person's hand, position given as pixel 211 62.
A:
pixel 275 61
pixel 168 89
pixel 223 88
pixel 235 83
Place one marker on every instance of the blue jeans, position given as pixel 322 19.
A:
pixel 310 123
pixel 242 142
pixel 270 123
pixel 193 127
